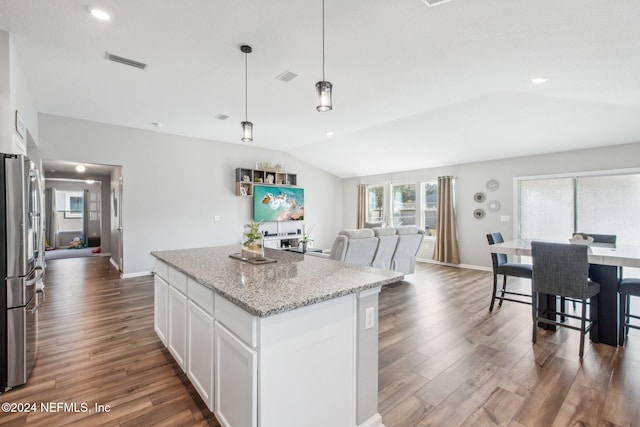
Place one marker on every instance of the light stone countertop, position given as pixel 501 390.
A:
pixel 294 281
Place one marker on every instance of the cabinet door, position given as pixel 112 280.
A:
pixel 177 327
pixel 160 295
pixel 200 353
pixel 236 372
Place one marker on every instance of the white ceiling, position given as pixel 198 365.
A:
pixel 414 86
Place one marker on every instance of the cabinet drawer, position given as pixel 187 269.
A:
pixel 162 270
pixel 237 321
pixel 178 280
pixel 201 295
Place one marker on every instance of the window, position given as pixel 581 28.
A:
pixel 375 203
pixel 73 204
pixel 429 207
pixel 404 204
pixel 554 208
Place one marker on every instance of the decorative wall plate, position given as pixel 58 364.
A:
pixel 492 185
pixel 478 214
pixel 479 197
pixel 493 206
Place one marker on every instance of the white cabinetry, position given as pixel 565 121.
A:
pixel 160 318
pixel 177 339
pixel 236 380
pixel 200 353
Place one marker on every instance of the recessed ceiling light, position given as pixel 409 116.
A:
pixel 81 168
pixel 329 133
pixel 540 80
pixel 100 14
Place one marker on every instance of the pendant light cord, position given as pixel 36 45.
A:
pixel 246 88
pixel 323 40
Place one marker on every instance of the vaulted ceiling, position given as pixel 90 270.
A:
pixel 414 86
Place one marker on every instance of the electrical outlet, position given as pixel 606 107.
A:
pixel 369 318
pixel 505 218
pixel 216 218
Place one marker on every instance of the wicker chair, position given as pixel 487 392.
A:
pixel 563 270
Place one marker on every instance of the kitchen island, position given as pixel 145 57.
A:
pixel 290 343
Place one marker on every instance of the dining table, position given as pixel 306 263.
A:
pixel 606 262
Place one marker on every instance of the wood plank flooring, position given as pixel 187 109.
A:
pixel 444 360
pixel 98 346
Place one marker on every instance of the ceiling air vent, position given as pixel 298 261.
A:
pixel 432 3
pixel 221 117
pixel 287 76
pixel 125 61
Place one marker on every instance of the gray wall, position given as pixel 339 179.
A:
pixel 174 186
pixel 14 95
pixel 471 178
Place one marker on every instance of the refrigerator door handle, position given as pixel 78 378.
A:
pixel 36 278
pixel 39 218
pixel 35 309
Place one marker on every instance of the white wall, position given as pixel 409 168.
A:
pixel 6 143
pixel 174 186
pixel 471 178
pixel 21 99
pixel 14 95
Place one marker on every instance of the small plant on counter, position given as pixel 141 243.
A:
pixel 306 238
pixel 252 242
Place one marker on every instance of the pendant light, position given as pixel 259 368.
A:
pixel 247 126
pixel 323 87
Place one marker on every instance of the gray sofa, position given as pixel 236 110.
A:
pixel 387 248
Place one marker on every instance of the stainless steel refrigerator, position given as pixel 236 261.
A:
pixel 21 268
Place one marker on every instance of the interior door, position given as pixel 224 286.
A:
pixel 120 229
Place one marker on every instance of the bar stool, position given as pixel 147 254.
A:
pixel 626 289
pixel 563 270
pixel 502 266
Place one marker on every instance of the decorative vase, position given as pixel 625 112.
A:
pixel 304 247
pixel 253 250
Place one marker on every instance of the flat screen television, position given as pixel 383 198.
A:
pixel 271 203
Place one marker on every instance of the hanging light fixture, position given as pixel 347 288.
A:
pixel 323 87
pixel 247 126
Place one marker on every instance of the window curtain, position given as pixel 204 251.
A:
pixel 362 206
pixel 85 216
pixel 50 218
pixel 446 249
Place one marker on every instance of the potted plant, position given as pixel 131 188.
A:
pixel 306 238
pixel 252 242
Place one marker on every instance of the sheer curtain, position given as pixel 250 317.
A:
pixel 446 249
pixel 85 217
pixel 362 206
pixel 50 219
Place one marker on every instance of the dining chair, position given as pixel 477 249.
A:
pixel 563 270
pixel 626 289
pixel 501 266
pixel 604 240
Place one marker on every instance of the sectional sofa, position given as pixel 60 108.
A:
pixel 387 248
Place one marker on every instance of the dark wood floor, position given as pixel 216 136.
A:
pixel 444 360
pixel 98 346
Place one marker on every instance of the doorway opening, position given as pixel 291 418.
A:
pixel 83 213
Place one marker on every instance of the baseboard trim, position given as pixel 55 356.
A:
pixel 138 274
pixel 375 421
pixel 469 266
pixel 115 264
